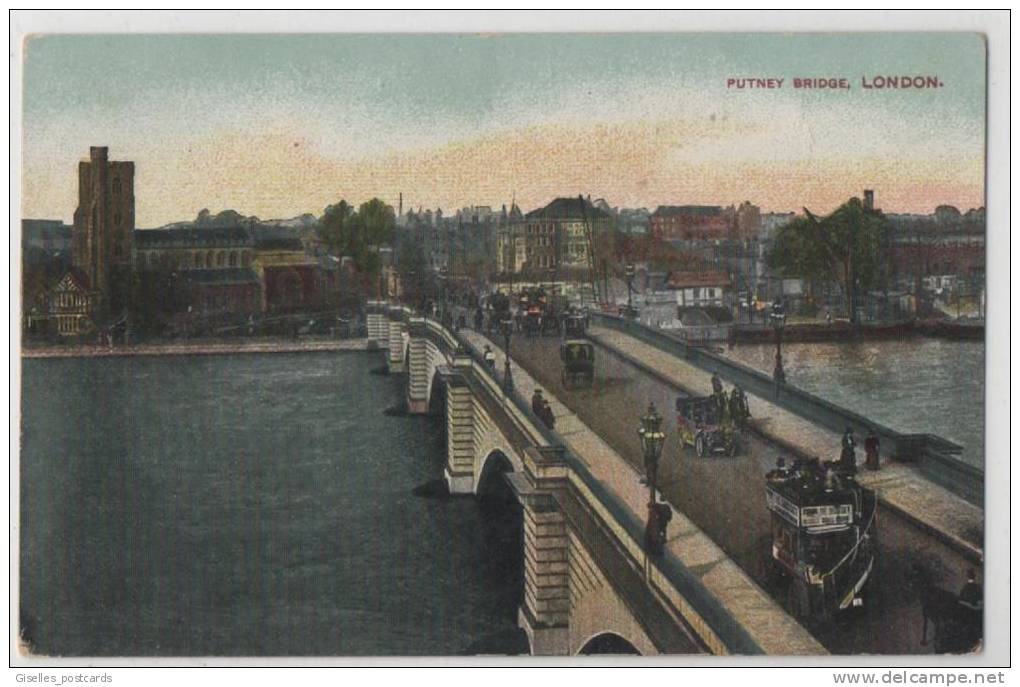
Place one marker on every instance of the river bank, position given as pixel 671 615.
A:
pixel 199 347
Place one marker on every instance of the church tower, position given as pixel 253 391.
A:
pixel 104 229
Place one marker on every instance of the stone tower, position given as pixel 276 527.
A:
pixel 104 228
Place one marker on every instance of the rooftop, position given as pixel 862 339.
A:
pixel 568 208
pixel 191 236
pixel 687 210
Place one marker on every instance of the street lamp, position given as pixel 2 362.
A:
pixel 507 327
pixel 778 319
pixel 444 275
pixel 629 272
pixel 652 440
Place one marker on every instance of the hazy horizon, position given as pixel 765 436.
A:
pixel 280 125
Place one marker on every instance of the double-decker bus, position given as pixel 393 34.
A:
pixel 823 530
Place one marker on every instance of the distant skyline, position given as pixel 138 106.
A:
pixel 276 126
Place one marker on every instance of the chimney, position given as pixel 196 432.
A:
pixel 869 199
pixel 98 152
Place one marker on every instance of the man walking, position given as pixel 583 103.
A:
pixel 848 456
pixel 871 451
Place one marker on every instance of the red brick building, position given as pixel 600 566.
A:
pixel 291 288
pixel 692 223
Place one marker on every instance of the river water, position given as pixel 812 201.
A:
pixel 250 505
pixel 911 385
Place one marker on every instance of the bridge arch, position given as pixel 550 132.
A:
pixel 493 467
pixel 436 398
pixel 608 643
pixel 502 530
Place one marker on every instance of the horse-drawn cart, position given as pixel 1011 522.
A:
pixel 578 356
pixel 704 423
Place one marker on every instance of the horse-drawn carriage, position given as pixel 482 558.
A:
pixel 704 422
pixel 578 356
pixel 539 315
pixel 499 310
pixel 575 325
pixel 823 529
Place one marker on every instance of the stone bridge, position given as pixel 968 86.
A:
pixel 587 580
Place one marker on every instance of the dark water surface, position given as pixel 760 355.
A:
pixel 249 505
pixel 918 384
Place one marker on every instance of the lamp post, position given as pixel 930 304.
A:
pixel 629 272
pixel 778 319
pixel 507 326
pixel 444 275
pixel 652 440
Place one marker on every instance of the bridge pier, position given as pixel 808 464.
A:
pixel 460 428
pixel 395 339
pixel 418 378
pixel 375 322
pixel 545 613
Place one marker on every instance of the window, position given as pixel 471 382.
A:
pixel 697 292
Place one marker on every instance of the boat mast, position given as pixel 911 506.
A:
pixel 590 239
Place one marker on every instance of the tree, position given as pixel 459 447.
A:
pixel 358 236
pixel 414 273
pixel 378 222
pixel 846 247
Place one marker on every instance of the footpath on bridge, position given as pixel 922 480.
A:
pixel 899 486
pixel 767 623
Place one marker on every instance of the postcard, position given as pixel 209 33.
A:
pixel 513 344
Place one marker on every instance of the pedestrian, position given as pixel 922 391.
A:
pixel 739 411
pixel 971 600
pixel 479 319
pixel 716 384
pixel 547 415
pixel 659 515
pixel 871 451
pixel 848 455
pixel 490 357
pixel 971 596
pixel 537 402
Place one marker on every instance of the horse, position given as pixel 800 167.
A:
pixel 954 627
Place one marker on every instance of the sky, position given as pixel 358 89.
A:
pixel 279 125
